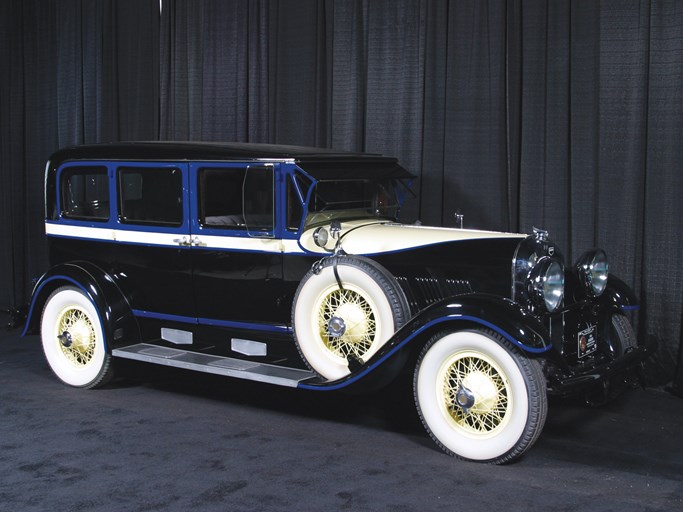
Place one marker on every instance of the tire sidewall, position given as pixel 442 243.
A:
pixel 624 337
pixel 312 291
pixel 62 367
pixel 484 447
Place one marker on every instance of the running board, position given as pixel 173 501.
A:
pixel 217 365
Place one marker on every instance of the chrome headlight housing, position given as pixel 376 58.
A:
pixel 321 237
pixel 546 284
pixel 593 271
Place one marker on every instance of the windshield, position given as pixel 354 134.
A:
pixel 347 199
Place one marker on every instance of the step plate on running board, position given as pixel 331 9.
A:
pixel 217 365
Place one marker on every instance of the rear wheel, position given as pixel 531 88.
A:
pixel 478 397
pixel 73 340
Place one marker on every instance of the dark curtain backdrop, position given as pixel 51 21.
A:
pixel 74 71
pixel 563 115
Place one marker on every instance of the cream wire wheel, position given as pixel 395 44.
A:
pixel 73 340
pixel 77 339
pixel 475 394
pixel 338 326
pixel 353 317
pixel 479 397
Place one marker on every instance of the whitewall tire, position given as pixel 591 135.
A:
pixel 335 327
pixel 478 397
pixel 73 339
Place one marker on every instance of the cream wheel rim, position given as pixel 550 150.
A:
pixel 359 320
pixel 475 394
pixel 74 324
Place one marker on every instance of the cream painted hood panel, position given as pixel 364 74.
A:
pixel 374 237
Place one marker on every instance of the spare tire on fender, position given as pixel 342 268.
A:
pixel 335 326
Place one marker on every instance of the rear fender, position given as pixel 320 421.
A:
pixel 115 313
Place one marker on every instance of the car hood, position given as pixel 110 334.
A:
pixel 378 237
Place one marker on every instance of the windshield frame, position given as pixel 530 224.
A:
pixel 378 169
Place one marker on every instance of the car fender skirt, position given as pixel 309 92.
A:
pixel 100 288
pixel 462 312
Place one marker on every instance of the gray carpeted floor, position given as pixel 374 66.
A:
pixel 164 439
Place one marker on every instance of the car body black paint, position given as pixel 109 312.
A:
pixel 221 294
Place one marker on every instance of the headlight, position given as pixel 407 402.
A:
pixel 320 237
pixel 593 271
pixel 546 284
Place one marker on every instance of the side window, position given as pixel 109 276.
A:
pixel 149 195
pixel 220 197
pixel 259 201
pixel 85 193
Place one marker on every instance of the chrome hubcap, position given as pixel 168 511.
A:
pixel 65 339
pixel 464 398
pixel 336 326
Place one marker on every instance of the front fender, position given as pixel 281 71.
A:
pixel 619 295
pixel 503 316
pixel 115 313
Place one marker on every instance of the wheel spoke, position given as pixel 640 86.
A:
pixel 487 386
pixel 359 320
pixel 82 333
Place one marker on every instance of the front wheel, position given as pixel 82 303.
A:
pixel 622 334
pixel 73 340
pixel 478 397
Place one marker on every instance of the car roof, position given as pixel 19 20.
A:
pixel 320 162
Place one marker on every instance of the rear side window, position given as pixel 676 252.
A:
pixel 85 193
pixel 150 195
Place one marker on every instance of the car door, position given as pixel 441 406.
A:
pixel 237 251
pixel 153 239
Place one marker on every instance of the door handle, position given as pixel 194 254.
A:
pixel 182 241
pixel 197 242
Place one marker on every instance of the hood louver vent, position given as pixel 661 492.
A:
pixel 423 291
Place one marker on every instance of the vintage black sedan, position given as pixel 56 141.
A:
pixel 287 265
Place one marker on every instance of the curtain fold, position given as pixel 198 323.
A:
pixel 214 70
pixel 475 118
pixel 660 247
pixel 12 101
pixel 298 73
pixel 519 113
pixel 77 71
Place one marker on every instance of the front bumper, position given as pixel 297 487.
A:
pixel 579 379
